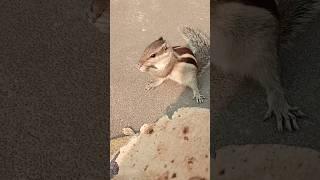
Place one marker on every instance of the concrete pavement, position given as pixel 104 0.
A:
pixel 133 26
pixel 53 106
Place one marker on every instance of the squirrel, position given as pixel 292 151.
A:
pixel 247 36
pixel 181 64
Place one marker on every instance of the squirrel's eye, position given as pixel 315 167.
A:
pixel 153 55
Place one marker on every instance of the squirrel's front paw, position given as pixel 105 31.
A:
pixel 286 115
pixel 199 98
pixel 149 86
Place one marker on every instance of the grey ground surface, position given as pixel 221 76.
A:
pixel 133 26
pixel 240 106
pixel 52 92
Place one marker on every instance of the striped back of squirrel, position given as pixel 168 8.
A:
pixel 185 55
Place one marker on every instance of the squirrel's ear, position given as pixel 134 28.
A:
pixel 165 45
pixel 160 38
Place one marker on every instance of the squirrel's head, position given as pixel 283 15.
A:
pixel 155 56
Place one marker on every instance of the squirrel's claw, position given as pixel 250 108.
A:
pixel 149 86
pixel 288 117
pixel 199 98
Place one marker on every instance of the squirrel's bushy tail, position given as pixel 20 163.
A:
pixel 294 15
pixel 199 43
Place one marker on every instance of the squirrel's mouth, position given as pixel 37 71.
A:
pixel 152 66
pixel 144 68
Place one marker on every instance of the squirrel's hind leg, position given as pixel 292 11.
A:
pixel 186 75
pixel 278 106
pixel 196 92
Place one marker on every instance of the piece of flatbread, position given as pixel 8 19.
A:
pixel 177 148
